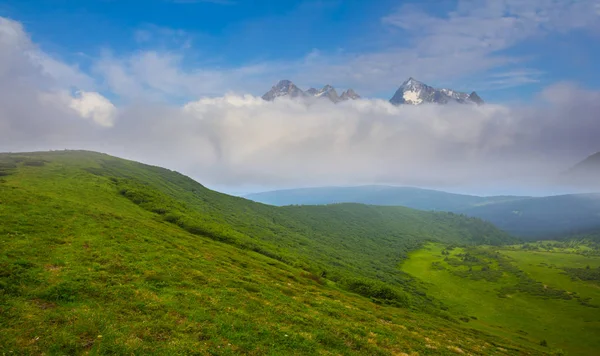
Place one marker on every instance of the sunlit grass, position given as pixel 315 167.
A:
pixel 564 324
pixel 85 269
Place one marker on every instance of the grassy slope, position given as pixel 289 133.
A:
pixel 565 324
pixel 85 268
pixel 330 240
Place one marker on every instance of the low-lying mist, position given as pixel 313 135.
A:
pixel 235 141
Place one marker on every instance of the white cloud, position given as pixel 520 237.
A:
pixel 474 36
pixel 21 57
pixel 35 107
pixel 92 105
pixel 289 142
pixel 235 141
pixel 492 25
pixel 161 75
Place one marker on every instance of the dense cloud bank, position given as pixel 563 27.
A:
pixel 243 141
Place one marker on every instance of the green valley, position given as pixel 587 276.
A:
pixel 102 255
pixel 516 289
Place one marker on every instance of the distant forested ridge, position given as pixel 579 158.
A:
pixel 528 217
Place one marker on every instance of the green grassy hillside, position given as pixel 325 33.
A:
pixel 342 242
pixel 104 255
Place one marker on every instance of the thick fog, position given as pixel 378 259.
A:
pixel 241 142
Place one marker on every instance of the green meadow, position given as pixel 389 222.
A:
pixel 520 294
pixel 104 256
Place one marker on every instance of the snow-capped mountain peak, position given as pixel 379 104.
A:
pixel 411 92
pixel 414 92
pixel 411 82
pixel 326 89
pixel 328 92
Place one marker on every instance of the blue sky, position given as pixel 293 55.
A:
pixel 505 50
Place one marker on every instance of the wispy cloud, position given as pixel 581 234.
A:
pixel 470 44
pixel 489 26
pixel 510 79
pixel 477 34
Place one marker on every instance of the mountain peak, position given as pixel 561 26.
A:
pixel 414 92
pixel 328 92
pixel 284 82
pixel 411 82
pixel 476 98
pixel 284 87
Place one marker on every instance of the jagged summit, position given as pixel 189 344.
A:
pixel 411 92
pixel 328 92
pixel 283 88
pixel 286 88
pixel 411 81
pixel 414 92
pixel 476 98
pixel 327 87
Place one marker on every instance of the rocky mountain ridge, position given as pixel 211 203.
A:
pixel 414 92
pixel 411 92
pixel 285 88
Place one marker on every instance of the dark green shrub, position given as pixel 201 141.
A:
pixel 379 292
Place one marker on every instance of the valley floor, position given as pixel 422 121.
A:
pixel 523 295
